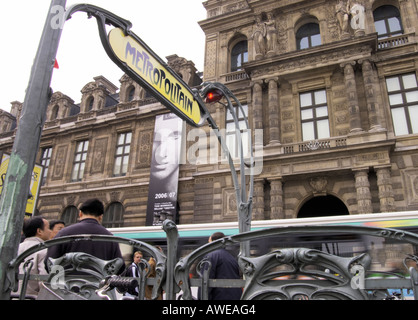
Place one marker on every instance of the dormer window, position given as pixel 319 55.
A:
pixel 54 113
pixel 131 93
pixel 90 104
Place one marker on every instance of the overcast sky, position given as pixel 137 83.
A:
pixel 167 27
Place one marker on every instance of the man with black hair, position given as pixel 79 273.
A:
pixel 36 230
pixel 56 226
pixel 223 266
pixel 90 218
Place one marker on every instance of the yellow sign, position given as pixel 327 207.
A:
pixel 147 66
pixel 34 184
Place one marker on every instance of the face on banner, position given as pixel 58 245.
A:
pixel 166 152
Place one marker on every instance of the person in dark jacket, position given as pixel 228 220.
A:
pixel 90 217
pixel 224 266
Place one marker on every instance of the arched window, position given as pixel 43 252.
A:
pixel 113 216
pixel 90 103
pixel 308 36
pixel 387 20
pixel 70 215
pixel 54 113
pixel 131 93
pixel 239 55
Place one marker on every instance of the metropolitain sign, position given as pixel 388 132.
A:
pixel 151 72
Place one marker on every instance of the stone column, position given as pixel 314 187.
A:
pixel 273 107
pixel 258 104
pixel 364 197
pixel 352 98
pixel 276 198
pixel 370 91
pixel 405 11
pixel 384 183
pixel 258 198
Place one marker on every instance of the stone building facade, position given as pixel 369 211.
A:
pixel 332 86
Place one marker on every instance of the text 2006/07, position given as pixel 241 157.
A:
pixel 212 309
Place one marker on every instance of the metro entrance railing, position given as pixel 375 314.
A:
pixel 281 274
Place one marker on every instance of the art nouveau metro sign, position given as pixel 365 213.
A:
pixel 148 69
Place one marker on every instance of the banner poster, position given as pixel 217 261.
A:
pixel 162 193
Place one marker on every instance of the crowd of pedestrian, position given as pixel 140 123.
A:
pixel 37 230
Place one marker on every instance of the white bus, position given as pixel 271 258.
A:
pixel 192 236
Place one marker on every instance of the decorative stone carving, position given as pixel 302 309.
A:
pixel 276 199
pixel 271 35
pixel 258 207
pixel 144 149
pixel 410 184
pixel 258 104
pixel 59 164
pixel 384 183
pixel 352 98
pixel 273 102
pixel 318 185
pixel 364 197
pixel 371 86
pixel 230 203
pixel 342 12
pixel 259 35
pixel 99 155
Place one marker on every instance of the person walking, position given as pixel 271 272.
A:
pixel 133 271
pixel 223 266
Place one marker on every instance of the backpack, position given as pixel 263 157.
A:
pixel 128 272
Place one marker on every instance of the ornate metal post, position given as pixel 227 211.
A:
pixel 244 202
pixel 170 229
pixel 17 183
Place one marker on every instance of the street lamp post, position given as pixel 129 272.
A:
pixel 215 92
pixel 22 160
